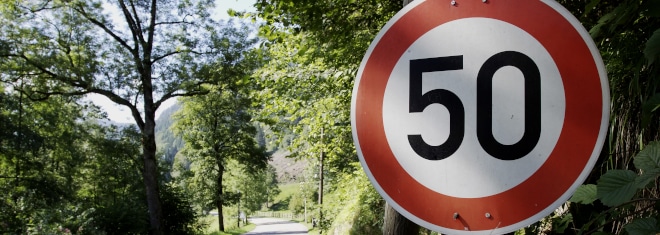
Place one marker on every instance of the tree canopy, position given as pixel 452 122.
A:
pixel 136 53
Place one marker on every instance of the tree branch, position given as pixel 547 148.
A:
pixel 165 56
pixel 138 21
pixel 157 58
pixel 152 27
pixel 86 89
pixel 174 22
pixel 105 28
pixel 173 94
pixel 137 35
pixel 121 101
pixel 45 95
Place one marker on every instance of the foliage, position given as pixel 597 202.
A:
pixel 624 191
pixel 113 187
pixel 357 207
pixel 217 129
pixel 138 54
pixel 121 218
pixel 256 188
pixel 304 197
pixel 179 216
pixel 39 159
pixel 315 48
pixel 62 172
pixel 310 99
pixel 625 33
pixel 341 29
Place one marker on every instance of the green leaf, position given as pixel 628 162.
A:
pixel 652 48
pixel 649 158
pixel 616 187
pixel 596 30
pixel 649 107
pixel 560 224
pixel 231 12
pixel 642 226
pixel 647 177
pixel 585 194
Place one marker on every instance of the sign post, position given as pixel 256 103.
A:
pixel 479 116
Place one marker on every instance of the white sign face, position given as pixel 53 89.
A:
pixel 471 172
pixel 480 117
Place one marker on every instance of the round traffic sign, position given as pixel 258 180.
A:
pixel 479 116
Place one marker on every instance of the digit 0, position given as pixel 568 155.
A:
pixel 532 105
pixel 418 102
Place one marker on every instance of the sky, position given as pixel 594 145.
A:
pixel 121 114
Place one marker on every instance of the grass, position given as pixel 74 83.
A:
pixel 281 201
pixel 310 230
pixel 287 191
pixel 235 231
pixel 213 228
pixel 280 204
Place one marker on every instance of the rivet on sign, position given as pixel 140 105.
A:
pixel 455 215
pixel 487 215
pixel 453 3
pixel 484 1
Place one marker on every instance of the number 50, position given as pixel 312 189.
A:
pixel 484 93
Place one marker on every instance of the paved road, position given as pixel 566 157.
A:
pixel 276 226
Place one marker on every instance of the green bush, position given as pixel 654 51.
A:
pixel 179 215
pixel 356 204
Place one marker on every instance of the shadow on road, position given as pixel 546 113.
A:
pixel 282 233
pixel 277 222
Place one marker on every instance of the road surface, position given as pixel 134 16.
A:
pixel 276 227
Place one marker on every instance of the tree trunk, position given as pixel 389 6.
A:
pixel 219 199
pixel 150 173
pixel 396 224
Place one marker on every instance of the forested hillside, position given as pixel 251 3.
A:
pixel 168 143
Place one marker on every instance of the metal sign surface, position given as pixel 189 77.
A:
pixel 480 116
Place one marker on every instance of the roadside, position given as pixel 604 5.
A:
pixel 276 226
pixel 212 221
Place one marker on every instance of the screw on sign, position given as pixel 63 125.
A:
pixel 479 116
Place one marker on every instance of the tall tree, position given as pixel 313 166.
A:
pixel 218 128
pixel 255 187
pixel 39 157
pixel 136 53
pixel 327 41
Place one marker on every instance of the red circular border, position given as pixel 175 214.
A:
pixel 580 131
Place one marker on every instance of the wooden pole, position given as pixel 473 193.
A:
pixel 321 179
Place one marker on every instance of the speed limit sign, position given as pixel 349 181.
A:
pixel 475 116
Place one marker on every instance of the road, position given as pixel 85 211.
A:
pixel 276 227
